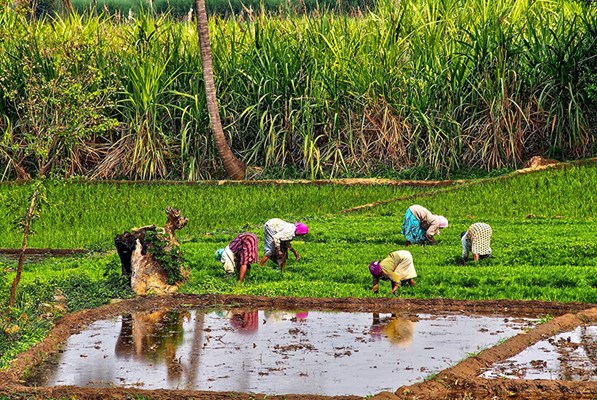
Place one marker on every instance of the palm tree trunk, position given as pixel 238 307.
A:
pixel 234 167
pixel 68 6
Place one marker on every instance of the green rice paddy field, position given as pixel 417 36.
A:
pixel 544 244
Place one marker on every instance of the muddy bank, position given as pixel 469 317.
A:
pixel 446 384
pixel 37 254
pixel 569 356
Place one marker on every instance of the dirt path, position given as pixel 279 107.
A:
pixel 37 254
pixel 456 382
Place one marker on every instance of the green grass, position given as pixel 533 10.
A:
pixel 570 193
pixel 88 215
pixel 532 260
pixel 543 243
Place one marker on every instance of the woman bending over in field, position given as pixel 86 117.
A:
pixel 277 236
pixel 242 251
pixel 420 226
pixel 397 267
pixel 476 240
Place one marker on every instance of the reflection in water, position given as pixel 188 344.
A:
pixel 244 321
pixel 153 337
pixel 301 315
pixel 278 316
pixel 588 346
pixel 399 331
pixel 273 352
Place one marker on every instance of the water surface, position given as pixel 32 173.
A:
pixel 272 352
pixel 568 356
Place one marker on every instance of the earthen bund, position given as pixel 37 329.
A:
pixel 461 381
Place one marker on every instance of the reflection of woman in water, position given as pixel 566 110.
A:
pixel 276 316
pixel 398 330
pixel 244 321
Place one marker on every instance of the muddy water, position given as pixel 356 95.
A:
pixel 272 352
pixel 567 356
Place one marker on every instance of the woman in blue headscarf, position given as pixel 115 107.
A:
pixel 420 225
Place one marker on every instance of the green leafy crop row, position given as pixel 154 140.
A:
pixel 569 192
pixel 88 215
pixel 555 260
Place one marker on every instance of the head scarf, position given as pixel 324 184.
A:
pixel 218 254
pixel 443 221
pixel 375 268
pixel 300 229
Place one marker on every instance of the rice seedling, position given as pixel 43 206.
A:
pixel 90 215
pixel 547 195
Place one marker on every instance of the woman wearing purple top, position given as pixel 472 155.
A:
pixel 239 254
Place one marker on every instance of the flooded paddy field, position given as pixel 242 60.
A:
pixel 271 351
pixel 555 360
pixel 248 347
pixel 570 356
